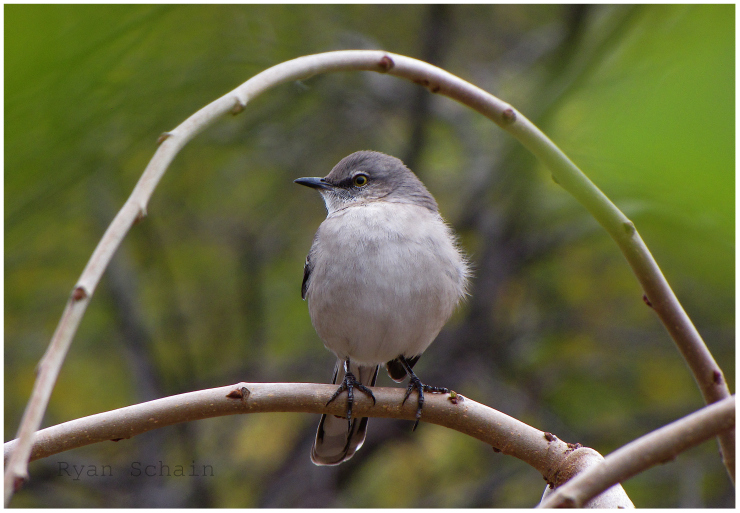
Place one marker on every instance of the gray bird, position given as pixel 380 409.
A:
pixel 383 276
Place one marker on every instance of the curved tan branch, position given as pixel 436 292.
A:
pixel 658 293
pixel 497 429
pixel 580 474
pixel 661 445
pixel 543 451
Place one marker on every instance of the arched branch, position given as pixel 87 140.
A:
pixel 505 434
pixel 658 293
pixel 580 474
pixel 543 451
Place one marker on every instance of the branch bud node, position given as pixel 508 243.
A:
pixel 140 216
pixel 162 138
pixel 573 447
pixel 629 227
pixel 386 63
pixel 456 398
pixel 79 293
pixel 239 393
pixel 717 377
pixel 238 107
pixel 509 116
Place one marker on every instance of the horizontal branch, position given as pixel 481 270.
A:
pixel 657 447
pixel 504 433
pixel 543 451
pixel 556 460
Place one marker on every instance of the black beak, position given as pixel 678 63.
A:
pixel 314 183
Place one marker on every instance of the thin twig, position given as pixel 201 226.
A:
pixel 660 446
pixel 658 293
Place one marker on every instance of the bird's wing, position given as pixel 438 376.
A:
pixel 306 273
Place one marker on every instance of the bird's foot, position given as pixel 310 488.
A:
pixel 349 383
pixel 415 383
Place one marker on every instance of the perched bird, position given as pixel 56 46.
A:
pixel 383 276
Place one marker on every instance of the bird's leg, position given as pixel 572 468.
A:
pixel 349 383
pixel 415 383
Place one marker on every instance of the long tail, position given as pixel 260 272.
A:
pixel 334 443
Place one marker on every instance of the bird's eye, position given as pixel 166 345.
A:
pixel 360 180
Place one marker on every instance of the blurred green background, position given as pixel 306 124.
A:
pixel 206 291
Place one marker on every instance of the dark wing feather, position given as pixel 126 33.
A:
pixel 306 273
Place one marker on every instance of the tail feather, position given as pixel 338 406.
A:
pixel 334 444
pixel 396 370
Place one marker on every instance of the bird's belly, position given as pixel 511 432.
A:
pixel 387 303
